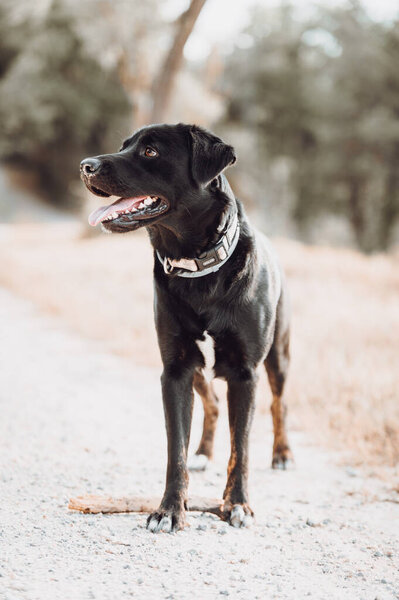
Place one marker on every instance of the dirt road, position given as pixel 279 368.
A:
pixel 75 419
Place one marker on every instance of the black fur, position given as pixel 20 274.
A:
pixel 243 306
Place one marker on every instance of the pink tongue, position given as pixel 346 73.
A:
pixel 98 215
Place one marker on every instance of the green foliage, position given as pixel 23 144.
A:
pixel 11 39
pixel 57 103
pixel 324 93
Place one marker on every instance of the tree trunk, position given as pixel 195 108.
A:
pixel 356 213
pixel 163 84
pixel 390 207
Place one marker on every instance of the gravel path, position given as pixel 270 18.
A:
pixel 75 419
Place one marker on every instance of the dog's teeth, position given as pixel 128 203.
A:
pixel 134 209
pixel 141 205
pixel 148 201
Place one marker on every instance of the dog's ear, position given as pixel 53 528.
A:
pixel 209 155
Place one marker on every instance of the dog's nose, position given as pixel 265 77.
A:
pixel 90 165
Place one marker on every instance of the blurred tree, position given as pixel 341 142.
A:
pixel 11 40
pixel 390 198
pixel 324 93
pixel 76 77
pixel 361 129
pixel 148 71
pixel 57 103
pixel 164 82
pixel 130 36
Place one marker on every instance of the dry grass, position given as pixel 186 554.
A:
pixel 344 378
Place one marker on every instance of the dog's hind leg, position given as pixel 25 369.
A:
pixel 210 402
pixel 277 363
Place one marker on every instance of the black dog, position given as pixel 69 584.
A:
pixel 215 277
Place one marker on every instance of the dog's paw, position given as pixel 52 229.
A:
pixel 167 521
pixel 282 458
pixel 197 462
pixel 238 515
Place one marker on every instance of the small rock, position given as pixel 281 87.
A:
pixel 351 472
pixel 311 523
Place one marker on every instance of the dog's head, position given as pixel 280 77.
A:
pixel 161 171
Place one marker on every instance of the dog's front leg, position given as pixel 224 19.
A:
pixel 241 403
pixel 177 393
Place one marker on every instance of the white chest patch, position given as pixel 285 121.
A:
pixel 208 352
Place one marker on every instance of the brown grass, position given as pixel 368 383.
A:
pixel 344 378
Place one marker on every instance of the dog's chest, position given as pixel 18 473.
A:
pixel 207 350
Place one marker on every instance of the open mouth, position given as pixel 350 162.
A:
pixel 97 191
pixel 129 209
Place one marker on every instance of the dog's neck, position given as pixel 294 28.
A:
pixel 200 228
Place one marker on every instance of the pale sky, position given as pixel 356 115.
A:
pixel 221 20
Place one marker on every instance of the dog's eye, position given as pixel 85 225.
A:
pixel 150 152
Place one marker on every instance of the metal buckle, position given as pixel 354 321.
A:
pixel 208 259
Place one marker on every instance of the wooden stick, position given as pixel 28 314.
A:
pixel 93 504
